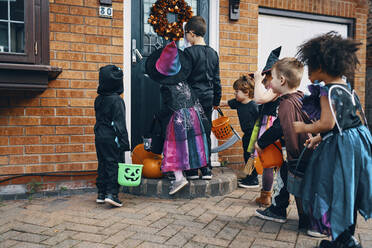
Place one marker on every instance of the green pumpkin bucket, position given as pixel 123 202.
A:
pixel 129 174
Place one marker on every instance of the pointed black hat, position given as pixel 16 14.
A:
pixel 273 57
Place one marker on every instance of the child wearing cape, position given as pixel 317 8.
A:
pixel 185 146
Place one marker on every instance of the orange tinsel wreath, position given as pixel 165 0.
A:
pixel 158 18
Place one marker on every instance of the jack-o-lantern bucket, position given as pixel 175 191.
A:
pixel 129 174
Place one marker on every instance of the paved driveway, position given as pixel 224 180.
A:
pixel 77 221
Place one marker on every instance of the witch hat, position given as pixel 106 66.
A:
pixel 273 57
pixel 168 65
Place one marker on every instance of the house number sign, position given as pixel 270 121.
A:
pixel 105 12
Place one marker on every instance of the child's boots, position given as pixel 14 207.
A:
pixel 264 199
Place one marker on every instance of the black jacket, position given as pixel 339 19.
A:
pixel 110 108
pixel 205 76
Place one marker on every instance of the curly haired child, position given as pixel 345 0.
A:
pixel 338 179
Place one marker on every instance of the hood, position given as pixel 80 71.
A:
pixel 110 80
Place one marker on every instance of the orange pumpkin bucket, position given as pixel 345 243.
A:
pixel 272 156
pixel 221 126
pixel 139 154
pixel 258 165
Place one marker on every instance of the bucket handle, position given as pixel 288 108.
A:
pixel 219 111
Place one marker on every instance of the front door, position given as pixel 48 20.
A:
pixel 145 93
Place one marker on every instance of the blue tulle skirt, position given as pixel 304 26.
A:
pixel 339 178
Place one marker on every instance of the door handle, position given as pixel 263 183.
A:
pixel 136 55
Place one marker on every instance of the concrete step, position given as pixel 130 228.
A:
pixel 224 181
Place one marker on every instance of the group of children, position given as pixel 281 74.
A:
pixel 333 148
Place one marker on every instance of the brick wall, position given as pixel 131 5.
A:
pixel 238 44
pixel 53 131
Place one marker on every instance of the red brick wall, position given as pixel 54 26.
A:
pixel 53 131
pixel 238 44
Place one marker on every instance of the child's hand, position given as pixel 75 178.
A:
pixel 217 107
pixel 258 78
pixel 313 142
pixel 257 147
pixel 298 126
pixel 223 104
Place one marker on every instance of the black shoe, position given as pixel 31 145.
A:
pixel 303 222
pixel 327 244
pixel 267 214
pixel 101 198
pixel 206 173
pixel 344 240
pixel 113 200
pixel 249 182
pixel 192 174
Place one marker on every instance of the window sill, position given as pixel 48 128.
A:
pixel 27 77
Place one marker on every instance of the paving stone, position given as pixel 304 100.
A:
pixel 189 223
pixel 170 230
pixel 227 233
pixel 129 243
pixel 142 229
pixel 211 240
pixel 152 245
pixel 29 228
pixel 179 240
pixel 8 243
pixel 271 243
pixel 193 244
pixel 240 244
pixel 29 245
pixel 287 236
pixel 67 243
pixel 150 237
pixel 271 227
pixel 162 223
pixel 30 237
pixel 118 237
pixel 82 228
pixel 59 237
pixel 206 217
pixel 91 244
pixel 111 230
pixel 90 237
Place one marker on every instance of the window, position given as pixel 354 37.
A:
pixel 24 45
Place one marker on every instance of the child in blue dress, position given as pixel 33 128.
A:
pixel 338 179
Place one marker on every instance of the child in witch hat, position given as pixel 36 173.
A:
pixel 185 146
pixel 267 114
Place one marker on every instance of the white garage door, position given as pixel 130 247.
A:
pixel 275 31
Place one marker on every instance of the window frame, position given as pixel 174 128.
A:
pixel 30 71
pixel 29 55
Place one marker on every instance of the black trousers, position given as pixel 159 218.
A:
pixel 108 155
pixel 280 198
pixel 207 123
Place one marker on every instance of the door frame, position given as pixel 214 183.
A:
pixel 214 7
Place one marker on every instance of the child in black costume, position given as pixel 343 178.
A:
pixel 247 109
pixel 111 136
pixel 204 79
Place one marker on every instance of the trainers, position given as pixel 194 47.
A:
pixel 113 200
pixel 315 234
pixel 206 173
pixel 267 214
pixel 192 174
pixel 177 186
pixel 249 183
pixel 101 198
